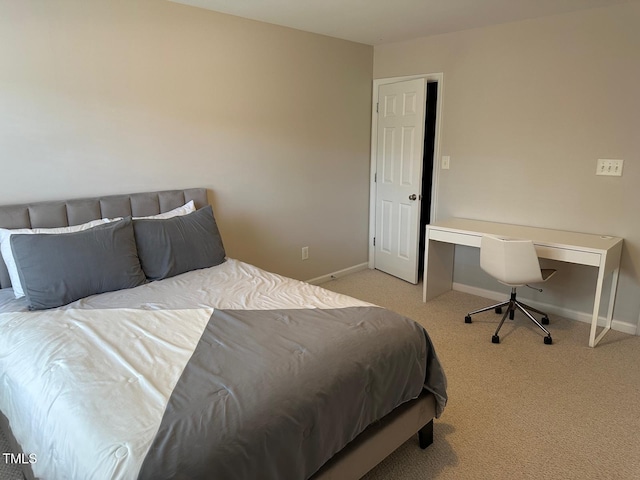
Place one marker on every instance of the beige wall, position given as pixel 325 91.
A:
pixel 528 108
pixel 114 96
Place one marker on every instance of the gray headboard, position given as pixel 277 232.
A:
pixel 64 213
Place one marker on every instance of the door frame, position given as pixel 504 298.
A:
pixel 431 77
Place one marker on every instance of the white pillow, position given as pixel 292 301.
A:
pixel 7 253
pixel 183 210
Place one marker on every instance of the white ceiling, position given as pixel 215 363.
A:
pixel 375 22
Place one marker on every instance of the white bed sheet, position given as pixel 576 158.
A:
pixel 84 406
pixel 230 285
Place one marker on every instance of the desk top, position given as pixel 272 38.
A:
pixel 539 236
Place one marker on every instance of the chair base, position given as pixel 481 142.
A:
pixel 512 305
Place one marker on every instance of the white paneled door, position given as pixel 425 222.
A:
pixel 400 144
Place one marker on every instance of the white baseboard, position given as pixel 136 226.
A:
pixel 560 311
pixel 338 274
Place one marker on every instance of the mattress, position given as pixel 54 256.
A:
pixel 225 372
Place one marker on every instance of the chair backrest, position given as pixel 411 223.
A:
pixel 512 262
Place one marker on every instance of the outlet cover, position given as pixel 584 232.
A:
pixel 609 167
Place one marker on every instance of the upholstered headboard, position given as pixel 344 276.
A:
pixel 74 212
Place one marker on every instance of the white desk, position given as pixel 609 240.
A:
pixel 601 251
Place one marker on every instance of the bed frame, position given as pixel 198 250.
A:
pixel 355 460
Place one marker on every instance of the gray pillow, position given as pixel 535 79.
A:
pixel 56 269
pixel 176 245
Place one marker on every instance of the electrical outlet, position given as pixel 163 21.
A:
pixel 305 253
pixel 610 167
pixel 445 162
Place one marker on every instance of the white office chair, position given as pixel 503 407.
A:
pixel 513 263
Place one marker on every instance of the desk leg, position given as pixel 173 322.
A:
pixel 593 341
pixel 438 269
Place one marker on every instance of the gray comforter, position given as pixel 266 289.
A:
pixel 274 394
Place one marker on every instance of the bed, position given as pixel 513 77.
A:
pixel 156 359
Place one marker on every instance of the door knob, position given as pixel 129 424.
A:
pixel 412 196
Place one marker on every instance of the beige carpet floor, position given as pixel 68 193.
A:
pixel 519 409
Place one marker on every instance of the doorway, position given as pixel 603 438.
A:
pixel 427 167
pixel 425 187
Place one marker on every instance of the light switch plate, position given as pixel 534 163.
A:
pixel 445 162
pixel 609 167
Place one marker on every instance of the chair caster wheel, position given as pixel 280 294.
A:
pixel 467 319
pixel 495 339
pixel 548 340
pixel 498 309
pixel 545 320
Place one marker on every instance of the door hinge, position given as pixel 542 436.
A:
pixel 377 106
pixel 375 177
pixel 374 241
